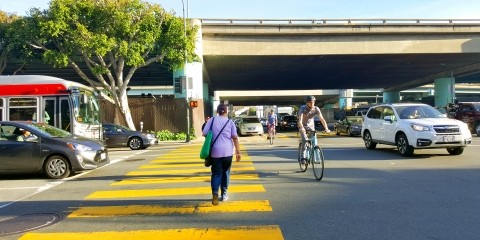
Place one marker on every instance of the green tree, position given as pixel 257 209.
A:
pixel 6 41
pixel 113 38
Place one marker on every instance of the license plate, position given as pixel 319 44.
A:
pixel 292 125
pixel 448 138
pixel 103 155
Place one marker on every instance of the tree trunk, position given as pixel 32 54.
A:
pixel 126 111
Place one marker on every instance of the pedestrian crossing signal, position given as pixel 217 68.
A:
pixel 193 104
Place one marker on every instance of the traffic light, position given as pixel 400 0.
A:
pixel 193 104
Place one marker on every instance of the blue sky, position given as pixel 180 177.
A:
pixel 300 9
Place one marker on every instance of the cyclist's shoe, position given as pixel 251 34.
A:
pixel 303 161
pixel 215 199
pixel 224 197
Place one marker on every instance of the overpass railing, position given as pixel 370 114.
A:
pixel 347 21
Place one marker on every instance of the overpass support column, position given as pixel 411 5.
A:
pixel 391 97
pixel 444 91
pixel 345 99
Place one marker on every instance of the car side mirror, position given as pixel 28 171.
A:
pixel 388 119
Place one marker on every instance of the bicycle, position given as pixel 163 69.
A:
pixel 271 133
pixel 318 163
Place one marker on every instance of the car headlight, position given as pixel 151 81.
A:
pixel 148 135
pixel 419 128
pixel 79 147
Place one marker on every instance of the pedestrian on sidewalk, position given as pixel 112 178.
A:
pixel 222 152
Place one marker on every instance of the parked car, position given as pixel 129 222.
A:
pixel 469 113
pixel 288 122
pixel 249 126
pixel 350 125
pixel 414 126
pixel 121 136
pixel 48 149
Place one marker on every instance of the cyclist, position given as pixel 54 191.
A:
pixel 272 121
pixel 306 122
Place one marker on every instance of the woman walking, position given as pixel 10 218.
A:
pixel 222 152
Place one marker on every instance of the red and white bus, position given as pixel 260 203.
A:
pixel 68 105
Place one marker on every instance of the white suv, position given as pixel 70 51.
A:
pixel 412 125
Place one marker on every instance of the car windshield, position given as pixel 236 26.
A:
pixel 251 120
pixel 123 128
pixel 50 131
pixel 355 119
pixel 419 111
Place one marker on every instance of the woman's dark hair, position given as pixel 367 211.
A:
pixel 222 108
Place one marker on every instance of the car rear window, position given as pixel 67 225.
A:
pixel 289 118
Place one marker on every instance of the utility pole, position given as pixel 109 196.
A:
pixel 186 76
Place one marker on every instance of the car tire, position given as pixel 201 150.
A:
pixel 135 143
pixel 367 138
pixel 403 146
pixel 350 133
pixel 57 167
pixel 337 131
pixel 455 150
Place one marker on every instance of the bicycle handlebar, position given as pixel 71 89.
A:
pixel 315 131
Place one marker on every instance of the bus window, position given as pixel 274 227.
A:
pixel 86 109
pixel 65 115
pixel 1 109
pixel 49 112
pixel 22 109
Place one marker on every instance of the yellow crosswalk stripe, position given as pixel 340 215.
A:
pixel 270 232
pixel 170 192
pixel 186 165
pixel 183 171
pixel 128 210
pixel 166 180
pixel 187 161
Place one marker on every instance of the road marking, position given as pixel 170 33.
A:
pixel 170 192
pixel 166 180
pixel 270 232
pixel 183 171
pixel 186 165
pixel 179 162
pixel 206 207
pixel 60 181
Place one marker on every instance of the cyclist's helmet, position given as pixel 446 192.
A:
pixel 309 98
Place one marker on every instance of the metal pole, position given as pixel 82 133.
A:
pixel 186 77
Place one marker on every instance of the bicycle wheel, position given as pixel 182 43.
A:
pixel 318 164
pixel 303 167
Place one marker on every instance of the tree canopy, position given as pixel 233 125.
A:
pixel 113 38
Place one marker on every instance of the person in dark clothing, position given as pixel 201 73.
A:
pixel 206 120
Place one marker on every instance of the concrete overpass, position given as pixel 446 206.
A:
pixel 394 55
pixel 326 55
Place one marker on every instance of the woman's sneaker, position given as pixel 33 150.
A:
pixel 224 197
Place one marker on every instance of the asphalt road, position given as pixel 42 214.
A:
pixel 163 193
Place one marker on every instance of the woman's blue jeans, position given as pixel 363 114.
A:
pixel 220 174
